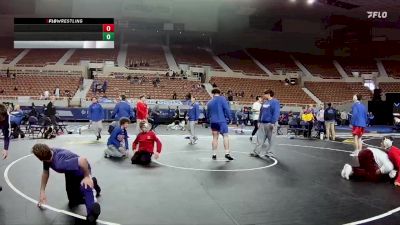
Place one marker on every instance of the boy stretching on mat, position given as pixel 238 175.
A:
pixel 143 146
pixel 394 156
pixel 117 144
pixel 80 185
pixel 218 113
pixel 374 165
pixel 5 128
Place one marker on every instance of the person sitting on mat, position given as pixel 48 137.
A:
pixel 143 146
pixel 374 165
pixel 81 187
pixel 117 144
pixel 394 156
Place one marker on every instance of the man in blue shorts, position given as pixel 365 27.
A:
pixel 218 114
pixel 81 187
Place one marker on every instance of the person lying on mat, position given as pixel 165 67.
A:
pixel 143 146
pixel 374 165
pixel 394 156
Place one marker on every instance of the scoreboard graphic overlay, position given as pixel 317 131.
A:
pixel 64 33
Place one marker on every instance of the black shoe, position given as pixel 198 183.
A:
pixel 253 154
pixel 251 139
pixel 1 188
pixel 229 157
pixel 99 136
pixel 214 157
pixel 94 214
pixel 96 186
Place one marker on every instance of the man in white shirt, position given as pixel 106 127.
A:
pixel 255 109
pixel 374 165
pixel 46 95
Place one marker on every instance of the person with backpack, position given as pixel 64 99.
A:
pixel 330 120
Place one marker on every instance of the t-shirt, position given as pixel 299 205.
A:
pixel 256 110
pixel 382 160
pixel 320 115
pixel 64 161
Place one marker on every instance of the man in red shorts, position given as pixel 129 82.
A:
pixel 358 123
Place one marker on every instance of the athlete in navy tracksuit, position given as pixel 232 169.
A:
pixel 193 117
pixel 96 116
pixel 269 115
pixel 218 114
pixel 5 128
pixel 122 110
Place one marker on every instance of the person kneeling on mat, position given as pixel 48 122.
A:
pixel 117 144
pixel 394 156
pixel 374 165
pixel 80 185
pixel 143 146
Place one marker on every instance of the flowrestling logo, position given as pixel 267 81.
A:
pixel 377 14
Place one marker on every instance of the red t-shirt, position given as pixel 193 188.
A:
pixel 394 156
pixel 141 111
pixel 146 141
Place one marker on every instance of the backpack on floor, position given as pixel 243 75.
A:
pixel 112 126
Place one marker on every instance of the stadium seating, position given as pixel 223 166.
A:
pixel 41 57
pixel 7 50
pixel 337 92
pixel 93 55
pixel 239 61
pixel 319 65
pixel 361 65
pixel 194 57
pixel 390 87
pixel 254 87
pixel 35 85
pixel 392 68
pixel 153 54
pixel 275 61
pixel 120 85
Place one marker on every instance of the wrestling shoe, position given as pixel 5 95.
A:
pixel 251 139
pixel 1 188
pixel 94 214
pixel 214 157
pixel 229 157
pixel 355 153
pixel 254 154
pixel 96 186
pixel 343 171
pixel 348 171
pixel 269 154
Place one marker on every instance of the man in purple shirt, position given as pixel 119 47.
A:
pixel 80 185
pixel 5 128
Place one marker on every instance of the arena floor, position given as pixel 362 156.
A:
pixel 301 185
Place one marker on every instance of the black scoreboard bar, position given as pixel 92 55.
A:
pixel 64 33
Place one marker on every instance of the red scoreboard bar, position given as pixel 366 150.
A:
pixel 64 33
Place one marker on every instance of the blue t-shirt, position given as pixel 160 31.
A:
pixel 64 161
pixel 95 112
pixel 270 111
pixel 122 109
pixel 218 110
pixel 359 115
pixel 194 111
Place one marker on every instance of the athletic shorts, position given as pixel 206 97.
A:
pixel 222 128
pixel 358 131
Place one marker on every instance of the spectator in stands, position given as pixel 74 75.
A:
pixel 230 97
pixel 143 146
pixel 174 96
pixel 269 115
pixel 219 115
pixel 142 111
pixel 81 79
pixel 117 144
pixel 308 119
pixel 57 92
pixel 371 118
pixel 122 109
pixel 214 85
pixel 96 116
pixel 14 76
pixel 343 118
pixel 374 165
pixel 256 114
pixel 15 88
pixel 105 86
pixel 8 72
pixel 358 122
pixel 242 94
pixel 330 118
pixel 1 91
pixel 146 64
pixel 321 122
pixel 51 111
pixel 94 86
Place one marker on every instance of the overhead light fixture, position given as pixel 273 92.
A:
pixel 310 2
pixel 293 1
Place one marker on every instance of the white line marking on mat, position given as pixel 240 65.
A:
pixel 36 201
pixel 305 146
